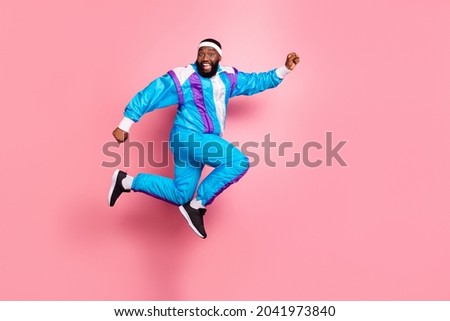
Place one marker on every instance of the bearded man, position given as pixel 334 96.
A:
pixel 202 91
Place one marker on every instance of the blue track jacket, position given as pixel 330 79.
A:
pixel 202 102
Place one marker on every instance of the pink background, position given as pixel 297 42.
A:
pixel 375 73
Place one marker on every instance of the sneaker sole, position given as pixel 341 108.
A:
pixel 113 184
pixel 188 220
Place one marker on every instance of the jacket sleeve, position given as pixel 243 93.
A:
pixel 160 93
pixel 253 83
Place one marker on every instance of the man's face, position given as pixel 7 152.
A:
pixel 207 61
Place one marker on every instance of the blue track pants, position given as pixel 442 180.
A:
pixel 192 151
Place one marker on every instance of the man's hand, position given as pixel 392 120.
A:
pixel 292 60
pixel 120 135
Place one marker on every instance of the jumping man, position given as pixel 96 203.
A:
pixel 202 91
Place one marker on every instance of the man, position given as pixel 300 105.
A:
pixel 202 91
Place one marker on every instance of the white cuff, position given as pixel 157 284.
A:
pixel 125 124
pixel 282 71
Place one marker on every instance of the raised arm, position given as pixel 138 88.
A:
pixel 253 83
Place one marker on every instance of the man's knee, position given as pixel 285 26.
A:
pixel 241 162
pixel 244 163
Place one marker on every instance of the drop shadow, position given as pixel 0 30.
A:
pixel 158 228
pixel 154 232
pixel 240 109
pixel 154 229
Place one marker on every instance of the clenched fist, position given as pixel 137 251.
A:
pixel 120 135
pixel 292 60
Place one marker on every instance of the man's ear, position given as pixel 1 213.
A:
pixel 220 58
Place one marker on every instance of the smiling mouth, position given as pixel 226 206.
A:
pixel 206 66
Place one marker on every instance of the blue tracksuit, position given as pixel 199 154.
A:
pixel 195 139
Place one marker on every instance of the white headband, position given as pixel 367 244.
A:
pixel 210 44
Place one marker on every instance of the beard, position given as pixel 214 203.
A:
pixel 209 74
